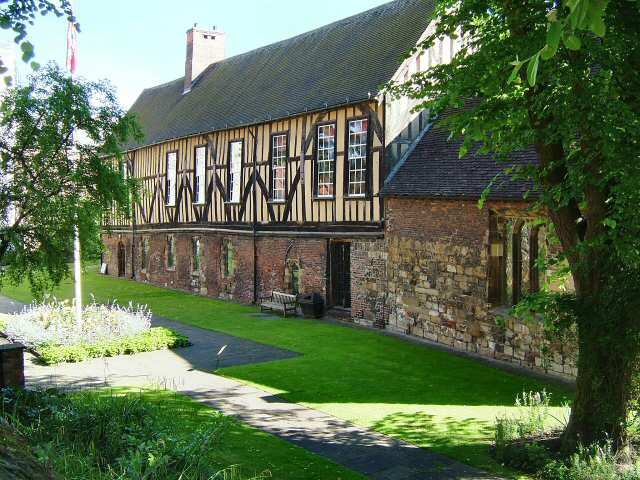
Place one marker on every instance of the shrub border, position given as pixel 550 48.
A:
pixel 156 338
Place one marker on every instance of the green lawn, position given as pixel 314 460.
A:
pixel 255 451
pixel 423 395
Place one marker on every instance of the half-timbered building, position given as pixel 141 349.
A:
pixel 263 171
pixel 288 168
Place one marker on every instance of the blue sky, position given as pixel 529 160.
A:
pixel 140 43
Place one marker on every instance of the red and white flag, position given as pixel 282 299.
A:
pixel 72 47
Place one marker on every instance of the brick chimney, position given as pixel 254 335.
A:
pixel 204 47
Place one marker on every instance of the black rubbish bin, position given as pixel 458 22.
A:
pixel 312 305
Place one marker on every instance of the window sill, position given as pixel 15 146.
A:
pixel 357 197
pixel 199 203
pixel 323 199
pixel 170 206
pixel 277 202
pixel 232 203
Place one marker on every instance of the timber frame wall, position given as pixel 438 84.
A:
pixel 301 213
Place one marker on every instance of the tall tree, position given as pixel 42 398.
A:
pixel 60 153
pixel 581 111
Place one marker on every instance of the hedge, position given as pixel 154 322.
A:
pixel 158 338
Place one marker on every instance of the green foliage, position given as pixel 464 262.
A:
pixel 596 463
pixel 55 135
pixel 106 436
pixel 517 437
pixel 157 338
pixel 581 113
pixel 568 21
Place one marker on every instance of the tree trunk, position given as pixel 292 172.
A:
pixel 603 394
pixel 609 351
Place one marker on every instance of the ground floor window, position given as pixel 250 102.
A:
pixel 228 260
pixel 196 255
pixel 144 253
pixel 516 248
pixel 171 252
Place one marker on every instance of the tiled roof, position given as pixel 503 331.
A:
pixel 340 63
pixel 434 170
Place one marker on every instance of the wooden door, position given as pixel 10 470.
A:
pixel 341 274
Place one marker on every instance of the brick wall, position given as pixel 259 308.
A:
pixel 274 256
pixel 11 364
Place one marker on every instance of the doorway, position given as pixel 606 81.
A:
pixel 122 260
pixel 340 274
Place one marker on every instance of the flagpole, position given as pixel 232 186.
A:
pixel 77 268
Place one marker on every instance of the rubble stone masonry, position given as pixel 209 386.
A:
pixel 428 278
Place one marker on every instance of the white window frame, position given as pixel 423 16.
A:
pixel 326 160
pixel 356 160
pixel 200 175
pixel 279 167
pixel 235 169
pixel 171 178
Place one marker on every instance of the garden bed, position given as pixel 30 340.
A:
pixel 52 333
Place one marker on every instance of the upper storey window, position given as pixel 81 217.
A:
pixel 235 170
pixel 171 179
pixel 357 162
pixel 326 161
pixel 199 179
pixel 278 167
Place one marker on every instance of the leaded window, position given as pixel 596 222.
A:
pixel 235 171
pixel 278 168
pixel 228 259
pixel 171 179
pixel 358 142
pixel 171 252
pixel 326 161
pixel 196 254
pixel 145 253
pixel 199 179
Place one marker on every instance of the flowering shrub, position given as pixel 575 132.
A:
pixel 55 323
pixel 53 333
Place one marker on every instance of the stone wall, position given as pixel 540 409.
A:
pixel 369 305
pixel 433 285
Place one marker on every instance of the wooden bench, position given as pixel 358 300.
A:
pixel 278 301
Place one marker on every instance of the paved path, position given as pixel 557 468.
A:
pixel 185 370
